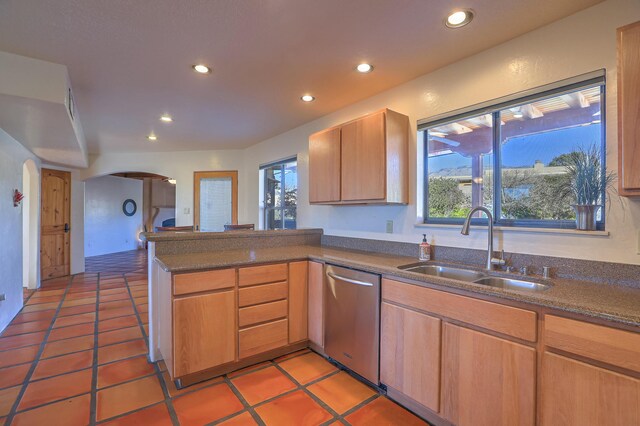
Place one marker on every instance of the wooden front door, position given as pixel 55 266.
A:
pixel 55 224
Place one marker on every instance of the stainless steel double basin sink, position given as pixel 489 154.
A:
pixel 477 277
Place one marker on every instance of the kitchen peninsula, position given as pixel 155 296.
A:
pixel 223 301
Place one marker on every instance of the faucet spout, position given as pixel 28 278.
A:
pixel 465 231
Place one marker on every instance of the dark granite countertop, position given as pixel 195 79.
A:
pixel 204 235
pixel 609 302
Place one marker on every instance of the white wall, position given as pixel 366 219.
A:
pixel 578 44
pixel 106 228
pixel 31 225
pixel 177 165
pixel 575 45
pixel 12 158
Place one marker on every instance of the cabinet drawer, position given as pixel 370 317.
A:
pixel 203 281
pixel 609 345
pixel 503 319
pixel 262 274
pixel 262 313
pixel 264 337
pixel 262 294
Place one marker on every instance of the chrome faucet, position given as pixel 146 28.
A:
pixel 465 231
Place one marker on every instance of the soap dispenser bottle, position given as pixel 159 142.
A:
pixel 425 249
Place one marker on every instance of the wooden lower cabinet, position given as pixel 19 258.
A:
pixel 204 331
pixel 486 380
pixel 576 393
pixel 410 354
pixel 316 304
pixel 298 300
pixel 263 337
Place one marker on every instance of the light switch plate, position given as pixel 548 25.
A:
pixel 187 210
pixel 389 227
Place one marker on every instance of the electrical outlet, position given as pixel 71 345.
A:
pixel 389 227
pixel 186 210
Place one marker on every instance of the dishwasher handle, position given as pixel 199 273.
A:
pixel 349 280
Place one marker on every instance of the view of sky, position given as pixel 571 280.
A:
pixel 525 150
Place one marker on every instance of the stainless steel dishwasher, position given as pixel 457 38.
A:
pixel 352 320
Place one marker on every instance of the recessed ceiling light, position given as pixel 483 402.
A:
pixel 517 115
pixel 166 118
pixel 172 181
pixel 152 137
pixel 202 69
pixel 307 98
pixel 364 68
pixel 459 18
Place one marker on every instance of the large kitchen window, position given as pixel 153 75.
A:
pixel 279 184
pixel 510 156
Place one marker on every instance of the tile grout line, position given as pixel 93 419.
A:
pixel 94 378
pixel 167 397
pixel 36 360
pixel 87 393
pixel 322 404
pixel 248 407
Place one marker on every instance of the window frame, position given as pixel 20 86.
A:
pixel 266 209
pixel 494 107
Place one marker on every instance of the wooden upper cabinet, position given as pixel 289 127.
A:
pixel 629 110
pixel 363 163
pixel 324 166
pixel 371 166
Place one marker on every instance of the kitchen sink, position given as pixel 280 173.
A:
pixel 475 277
pixel 511 284
pixel 444 272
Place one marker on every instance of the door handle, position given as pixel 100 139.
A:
pixel 66 228
pixel 349 280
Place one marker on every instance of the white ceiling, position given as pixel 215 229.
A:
pixel 129 61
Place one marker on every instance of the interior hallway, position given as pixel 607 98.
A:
pixel 76 355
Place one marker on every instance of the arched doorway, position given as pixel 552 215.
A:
pixel 30 225
pixel 119 206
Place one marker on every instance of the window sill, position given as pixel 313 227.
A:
pixel 557 231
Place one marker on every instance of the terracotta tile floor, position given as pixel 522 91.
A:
pixel 76 355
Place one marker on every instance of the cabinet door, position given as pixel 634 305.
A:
pixel 324 166
pixel 486 380
pixel 629 109
pixel 575 393
pixel 204 331
pixel 410 354
pixel 316 304
pixel 298 296
pixel 364 159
